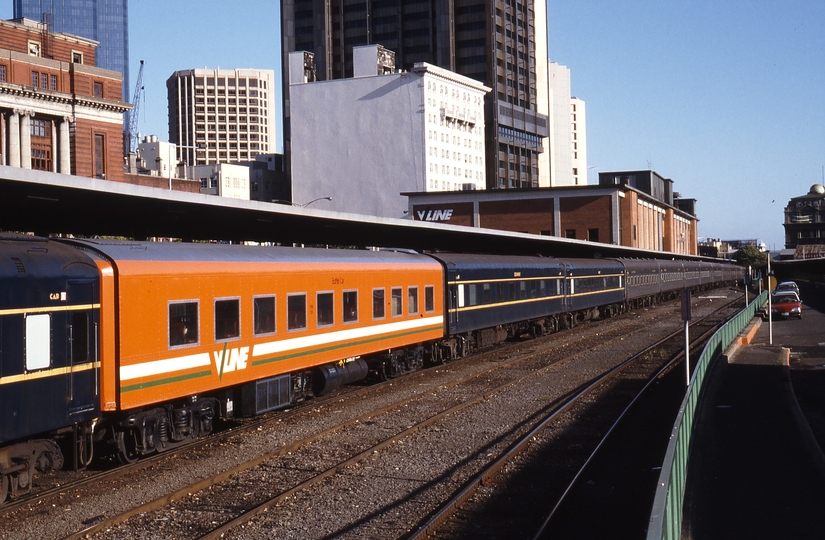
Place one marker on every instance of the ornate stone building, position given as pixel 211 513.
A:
pixel 805 219
pixel 58 112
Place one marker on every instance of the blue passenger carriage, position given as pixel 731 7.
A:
pixel 595 287
pixel 492 297
pixel 49 316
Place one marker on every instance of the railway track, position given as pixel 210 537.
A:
pixel 613 394
pixel 480 366
pixel 59 484
pixel 199 511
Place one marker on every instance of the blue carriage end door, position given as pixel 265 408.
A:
pixel 82 335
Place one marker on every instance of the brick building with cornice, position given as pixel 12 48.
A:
pixel 58 112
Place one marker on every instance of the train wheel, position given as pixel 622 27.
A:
pixel 125 451
pixel 385 370
pixel 4 489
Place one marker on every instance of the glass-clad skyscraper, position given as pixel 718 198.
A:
pixel 105 21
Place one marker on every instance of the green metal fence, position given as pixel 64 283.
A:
pixel 666 516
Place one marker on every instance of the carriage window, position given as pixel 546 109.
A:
pixel 471 294
pixel 325 309
pixel 264 315
pixel 486 296
pixel 543 287
pixel 183 323
pixel 523 289
pixel 296 311
pixel 227 319
pixel 350 306
pixel 378 303
pixel 38 342
pixel 412 300
pixel 80 337
pixel 396 301
pixel 429 298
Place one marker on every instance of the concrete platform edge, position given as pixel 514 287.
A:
pixel 744 340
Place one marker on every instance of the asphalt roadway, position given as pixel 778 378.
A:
pixel 757 468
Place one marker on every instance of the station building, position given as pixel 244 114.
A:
pixel 58 112
pixel 634 209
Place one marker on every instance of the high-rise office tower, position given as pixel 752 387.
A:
pixel 221 115
pixel 568 131
pixel 501 43
pixel 105 21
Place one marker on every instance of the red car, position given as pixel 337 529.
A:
pixel 786 304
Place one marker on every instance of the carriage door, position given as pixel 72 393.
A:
pixel 456 298
pixel 567 287
pixel 81 328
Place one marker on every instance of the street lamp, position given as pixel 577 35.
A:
pixel 593 167
pixel 313 200
pixel 301 205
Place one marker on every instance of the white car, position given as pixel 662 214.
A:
pixel 788 286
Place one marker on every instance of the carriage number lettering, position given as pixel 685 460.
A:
pixel 337 281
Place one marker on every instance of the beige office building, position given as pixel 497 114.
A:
pixel 221 116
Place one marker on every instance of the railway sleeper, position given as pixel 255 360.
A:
pixel 19 461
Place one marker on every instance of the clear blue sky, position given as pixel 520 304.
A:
pixel 725 97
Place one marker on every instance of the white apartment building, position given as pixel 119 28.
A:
pixel 568 134
pixel 222 179
pixel 220 116
pixel 158 156
pixel 579 130
pixel 454 112
pixel 364 141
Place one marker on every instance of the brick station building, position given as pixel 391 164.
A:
pixel 58 112
pixel 635 209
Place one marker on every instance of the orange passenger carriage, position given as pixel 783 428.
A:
pixel 220 330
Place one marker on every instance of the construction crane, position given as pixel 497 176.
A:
pixel 132 133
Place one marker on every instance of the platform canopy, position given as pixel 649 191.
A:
pixel 50 203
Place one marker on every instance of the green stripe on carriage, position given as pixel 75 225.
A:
pixel 342 346
pixel 169 380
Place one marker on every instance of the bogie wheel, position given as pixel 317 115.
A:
pixel 125 454
pixel 4 489
pixel 385 370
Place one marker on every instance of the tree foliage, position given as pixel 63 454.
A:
pixel 751 256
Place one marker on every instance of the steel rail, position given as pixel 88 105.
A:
pixel 488 474
pixel 165 500
pixel 699 341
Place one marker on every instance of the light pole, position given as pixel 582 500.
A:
pixel 313 200
pixel 301 205
pixel 770 312
pixel 593 167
